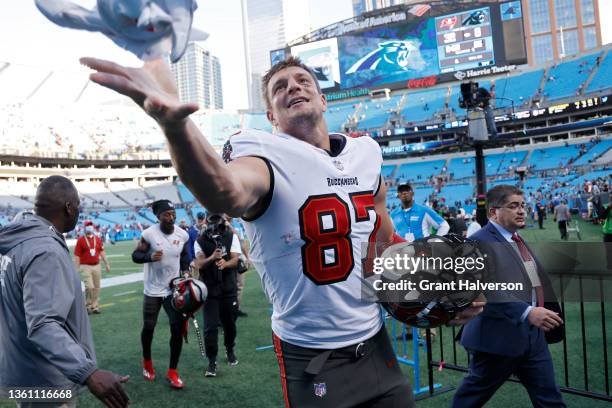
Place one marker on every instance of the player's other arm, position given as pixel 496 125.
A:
pixel 237 188
pixel 184 259
pixel 386 230
pixel 141 253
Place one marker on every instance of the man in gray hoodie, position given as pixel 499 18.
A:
pixel 45 336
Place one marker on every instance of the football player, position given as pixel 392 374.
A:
pixel 163 251
pixel 310 201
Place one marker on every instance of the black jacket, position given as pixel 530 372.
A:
pixel 219 283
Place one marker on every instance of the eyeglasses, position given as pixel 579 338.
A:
pixel 515 206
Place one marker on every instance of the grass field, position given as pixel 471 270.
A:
pixel 255 381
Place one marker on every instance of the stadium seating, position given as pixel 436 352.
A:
pixel 387 170
pixel 376 112
pixel 130 193
pixel 338 114
pixel 593 153
pixel 592 176
pixel 182 214
pixel 421 105
pixel 565 79
pixel 457 192
pixel 552 157
pixel 501 163
pixel 256 121
pixel 419 171
pixel 185 194
pixel 601 79
pixel 99 195
pixel 518 88
pixel 166 191
pixel 217 126
pixel 461 167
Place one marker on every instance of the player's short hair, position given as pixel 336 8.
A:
pixel 498 195
pixel 404 187
pixel 290 61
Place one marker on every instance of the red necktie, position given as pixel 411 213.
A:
pixel 526 258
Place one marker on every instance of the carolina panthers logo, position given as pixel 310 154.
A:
pixel 476 18
pixel 391 56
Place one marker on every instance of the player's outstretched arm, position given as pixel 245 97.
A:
pixel 235 189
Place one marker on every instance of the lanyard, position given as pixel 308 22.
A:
pixel 409 212
pixel 87 242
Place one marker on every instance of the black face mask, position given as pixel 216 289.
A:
pixel 72 222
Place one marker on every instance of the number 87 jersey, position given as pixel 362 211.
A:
pixel 308 242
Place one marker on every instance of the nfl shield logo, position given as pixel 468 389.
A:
pixel 338 165
pixel 320 389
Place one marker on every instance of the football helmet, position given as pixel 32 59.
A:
pixel 438 304
pixel 188 295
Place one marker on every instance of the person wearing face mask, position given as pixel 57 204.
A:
pixel 45 334
pixel 87 254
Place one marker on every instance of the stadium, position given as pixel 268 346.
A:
pixel 546 128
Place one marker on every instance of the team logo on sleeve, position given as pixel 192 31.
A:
pixel 227 152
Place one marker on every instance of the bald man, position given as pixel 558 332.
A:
pixel 45 336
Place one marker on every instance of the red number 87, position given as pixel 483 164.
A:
pixel 325 227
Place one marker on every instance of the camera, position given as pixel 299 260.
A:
pixel 215 229
pixel 472 96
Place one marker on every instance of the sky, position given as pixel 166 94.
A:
pixel 30 40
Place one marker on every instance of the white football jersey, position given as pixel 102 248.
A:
pixel 157 275
pixel 307 245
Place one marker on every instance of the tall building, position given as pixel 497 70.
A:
pixel 198 78
pixel 269 25
pixel 559 28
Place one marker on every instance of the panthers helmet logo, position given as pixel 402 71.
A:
pixel 391 56
pixel 476 18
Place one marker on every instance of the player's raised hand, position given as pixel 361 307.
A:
pixel 151 87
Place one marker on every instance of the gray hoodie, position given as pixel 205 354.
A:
pixel 45 336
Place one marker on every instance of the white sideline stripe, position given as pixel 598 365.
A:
pixel 129 292
pixel 121 280
pixel 115 255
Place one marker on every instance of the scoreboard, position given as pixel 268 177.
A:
pixel 413 46
pixel 465 40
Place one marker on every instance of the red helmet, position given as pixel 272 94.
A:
pixel 432 307
pixel 188 295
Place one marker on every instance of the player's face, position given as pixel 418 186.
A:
pixel 512 215
pixel 295 100
pixel 166 219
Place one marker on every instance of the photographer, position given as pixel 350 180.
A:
pixel 217 251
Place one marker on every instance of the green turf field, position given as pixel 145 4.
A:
pixel 255 381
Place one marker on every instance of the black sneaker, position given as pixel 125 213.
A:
pixel 211 371
pixel 240 313
pixel 231 358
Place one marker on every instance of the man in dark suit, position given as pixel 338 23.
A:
pixel 510 336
